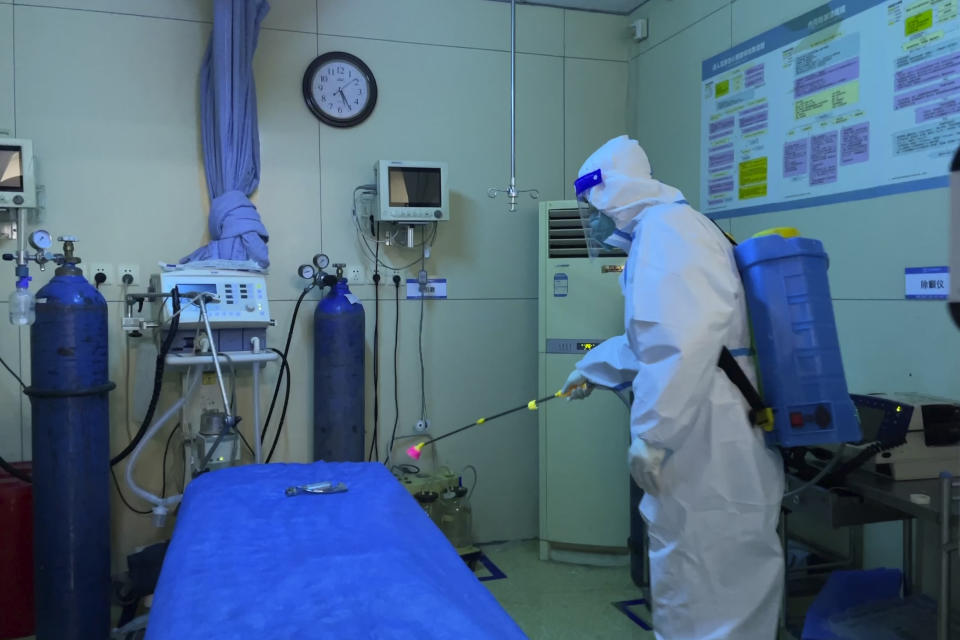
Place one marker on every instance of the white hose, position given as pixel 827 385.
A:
pixel 161 505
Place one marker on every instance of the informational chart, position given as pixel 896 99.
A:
pixel 855 99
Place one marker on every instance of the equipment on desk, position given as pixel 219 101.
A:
pixel 795 334
pixel 338 375
pixel 71 447
pixel 917 436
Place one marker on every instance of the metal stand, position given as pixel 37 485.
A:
pixel 255 359
pixel 907 548
pixel 947 484
pixel 782 530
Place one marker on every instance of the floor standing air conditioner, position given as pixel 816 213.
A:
pixel 584 477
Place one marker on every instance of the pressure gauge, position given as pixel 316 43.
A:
pixel 321 261
pixel 307 271
pixel 40 240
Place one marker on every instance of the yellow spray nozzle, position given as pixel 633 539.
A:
pixel 532 405
pixel 481 420
pixel 414 451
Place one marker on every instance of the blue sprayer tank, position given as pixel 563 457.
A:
pixel 71 458
pixel 338 380
pixel 795 335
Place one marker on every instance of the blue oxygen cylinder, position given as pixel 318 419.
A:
pixel 338 332
pixel 795 335
pixel 71 457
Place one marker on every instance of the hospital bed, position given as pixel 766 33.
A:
pixel 247 561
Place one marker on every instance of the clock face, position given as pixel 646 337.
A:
pixel 340 89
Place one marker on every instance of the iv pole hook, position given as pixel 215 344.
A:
pixel 512 191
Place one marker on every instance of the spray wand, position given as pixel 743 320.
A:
pixel 415 451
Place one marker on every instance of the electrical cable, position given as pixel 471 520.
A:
pixel 286 402
pixel 822 474
pixel 423 377
pixel 396 367
pixel 375 440
pixel 166 449
pixel 245 443
pixel 374 255
pixel 4 465
pixel 286 350
pixel 165 347
pixel 860 459
pixel 123 498
pixel 14 472
pixel 127 415
pixel 13 373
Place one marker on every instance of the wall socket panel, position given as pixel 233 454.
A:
pixel 105 269
pixel 133 270
pixel 355 274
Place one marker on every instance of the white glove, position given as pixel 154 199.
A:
pixel 577 387
pixel 646 461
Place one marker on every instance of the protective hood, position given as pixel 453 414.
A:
pixel 628 186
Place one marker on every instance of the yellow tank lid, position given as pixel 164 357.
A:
pixel 786 232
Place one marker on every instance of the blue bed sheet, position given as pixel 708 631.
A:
pixel 246 561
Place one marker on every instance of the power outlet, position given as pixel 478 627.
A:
pixel 106 270
pixel 132 270
pixel 421 426
pixel 355 274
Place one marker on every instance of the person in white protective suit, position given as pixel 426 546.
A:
pixel 712 488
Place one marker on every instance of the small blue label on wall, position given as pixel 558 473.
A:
pixel 561 285
pixel 926 283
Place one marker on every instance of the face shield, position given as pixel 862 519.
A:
pixel 597 227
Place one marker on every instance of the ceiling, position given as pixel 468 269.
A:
pixel 605 6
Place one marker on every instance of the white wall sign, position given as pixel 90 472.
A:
pixel 855 99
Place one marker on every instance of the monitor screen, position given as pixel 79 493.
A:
pixel 190 288
pixel 871 419
pixel 11 168
pixel 415 187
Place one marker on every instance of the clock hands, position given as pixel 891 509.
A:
pixel 343 97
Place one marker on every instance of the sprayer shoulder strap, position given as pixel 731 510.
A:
pixel 760 414
pixel 728 363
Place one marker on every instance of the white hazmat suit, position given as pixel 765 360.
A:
pixel 712 488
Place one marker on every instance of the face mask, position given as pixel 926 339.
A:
pixel 601 227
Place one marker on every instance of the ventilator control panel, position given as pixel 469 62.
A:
pixel 240 297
